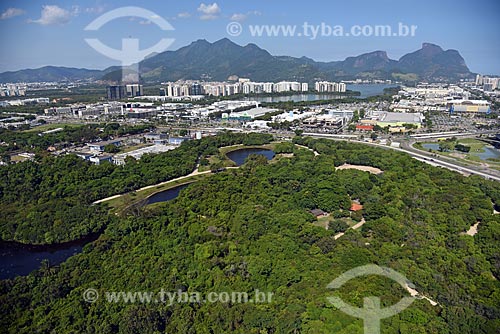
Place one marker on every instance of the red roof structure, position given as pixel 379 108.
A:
pixel 356 207
pixel 364 127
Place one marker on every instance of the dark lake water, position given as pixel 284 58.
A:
pixel 167 195
pixel 239 156
pixel 366 90
pixel 17 259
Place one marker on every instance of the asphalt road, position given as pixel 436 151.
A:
pixel 427 158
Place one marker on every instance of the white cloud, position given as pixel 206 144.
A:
pixel 238 17
pixel 94 10
pixel 145 22
pixel 11 12
pixel 209 12
pixel 75 10
pixel 184 15
pixel 52 14
pixel 243 17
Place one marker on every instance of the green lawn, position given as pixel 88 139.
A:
pixel 47 127
pixel 120 203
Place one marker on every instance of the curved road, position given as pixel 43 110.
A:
pixel 419 156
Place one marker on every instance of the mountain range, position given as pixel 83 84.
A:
pixel 219 60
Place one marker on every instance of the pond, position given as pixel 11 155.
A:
pixel 488 152
pixel 239 156
pixel 431 146
pixel 166 195
pixel 18 259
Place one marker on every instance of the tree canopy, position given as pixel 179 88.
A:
pixel 250 228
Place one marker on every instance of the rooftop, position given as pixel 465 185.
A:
pixel 394 117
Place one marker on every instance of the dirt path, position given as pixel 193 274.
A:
pixel 473 229
pixel 369 169
pixel 355 227
pixel 412 291
pixel 416 294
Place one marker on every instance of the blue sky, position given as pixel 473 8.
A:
pixel 44 32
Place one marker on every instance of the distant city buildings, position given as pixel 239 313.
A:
pixel 119 92
pixel 488 84
pixel 116 92
pixel 12 90
pixel 436 97
pixel 330 87
pixel 134 90
pixel 25 102
pixel 85 110
pixel 243 86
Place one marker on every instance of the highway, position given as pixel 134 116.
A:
pixel 422 156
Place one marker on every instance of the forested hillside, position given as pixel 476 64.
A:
pixel 250 228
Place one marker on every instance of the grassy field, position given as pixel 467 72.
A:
pixel 122 202
pixel 47 127
pixel 323 221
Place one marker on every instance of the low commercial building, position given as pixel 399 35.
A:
pixel 154 136
pixel 324 121
pixel 396 119
pixel 99 159
pixel 99 147
pixel 250 114
pixel 119 159
pixel 469 106
pixel 177 140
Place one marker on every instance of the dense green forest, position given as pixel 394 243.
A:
pixel 250 228
pixel 49 200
